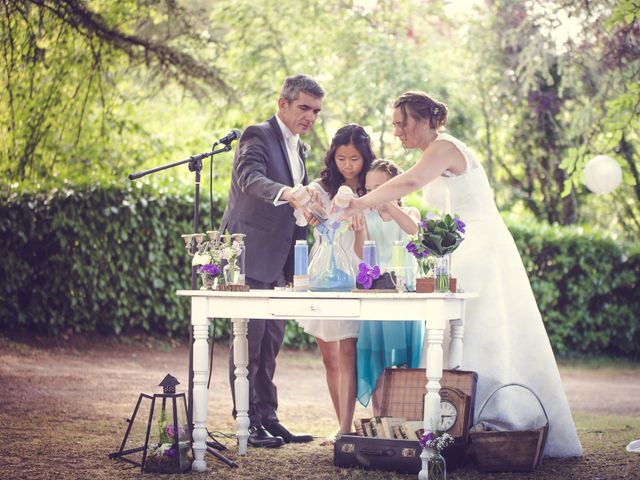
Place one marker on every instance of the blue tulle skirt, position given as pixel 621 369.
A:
pixel 385 344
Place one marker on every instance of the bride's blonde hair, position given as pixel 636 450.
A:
pixel 421 106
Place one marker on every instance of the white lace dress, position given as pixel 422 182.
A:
pixel 505 339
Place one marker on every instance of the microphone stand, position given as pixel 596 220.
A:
pixel 195 165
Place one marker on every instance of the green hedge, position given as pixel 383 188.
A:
pixel 96 259
pixel 586 287
pixel 101 259
pixel 109 259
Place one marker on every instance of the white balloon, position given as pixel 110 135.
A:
pixel 602 174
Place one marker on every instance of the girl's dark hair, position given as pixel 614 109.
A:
pixel 388 167
pixel 422 107
pixel 349 134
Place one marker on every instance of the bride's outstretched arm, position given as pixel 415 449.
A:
pixel 436 158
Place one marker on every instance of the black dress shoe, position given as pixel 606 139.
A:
pixel 259 437
pixel 276 428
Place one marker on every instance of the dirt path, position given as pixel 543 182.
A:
pixel 64 406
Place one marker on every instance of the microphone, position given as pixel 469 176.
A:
pixel 230 137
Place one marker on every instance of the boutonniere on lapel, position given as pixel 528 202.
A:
pixel 305 150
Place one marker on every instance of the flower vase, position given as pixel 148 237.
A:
pixel 231 273
pixel 436 467
pixel 209 282
pixel 442 269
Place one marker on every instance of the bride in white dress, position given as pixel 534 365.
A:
pixel 505 339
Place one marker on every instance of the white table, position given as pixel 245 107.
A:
pixel 436 309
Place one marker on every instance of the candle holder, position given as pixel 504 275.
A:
pixel 214 235
pixel 192 241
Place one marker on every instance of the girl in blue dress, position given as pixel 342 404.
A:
pixel 387 343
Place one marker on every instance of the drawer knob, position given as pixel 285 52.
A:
pixel 312 308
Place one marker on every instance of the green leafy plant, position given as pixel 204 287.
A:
pixel 437 236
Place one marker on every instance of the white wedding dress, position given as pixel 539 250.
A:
pixel 504 336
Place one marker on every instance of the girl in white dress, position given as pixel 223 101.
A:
pixel 346 163
pixel 505 340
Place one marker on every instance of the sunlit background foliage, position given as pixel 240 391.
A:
pixel 93 90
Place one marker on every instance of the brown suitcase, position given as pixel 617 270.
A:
pixel 403 391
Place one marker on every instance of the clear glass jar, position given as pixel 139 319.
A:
pixel 231 272
pixel 436 467
pixel 442 269
pixel 331 269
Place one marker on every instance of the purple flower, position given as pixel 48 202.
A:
pixel 170 452
pixel 426 438
pixel 436 442
pixel 460 224
pixel 367 274
pixel 209 269
pixel 417 251
pixel 170 429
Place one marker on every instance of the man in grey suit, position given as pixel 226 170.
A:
pixel 268 162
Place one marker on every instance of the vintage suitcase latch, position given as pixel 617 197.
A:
pixel 348 448
pixel 408 452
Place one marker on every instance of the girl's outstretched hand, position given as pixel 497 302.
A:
pixel 357 222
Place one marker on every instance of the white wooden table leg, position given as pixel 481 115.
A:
pixel 423 351
pixel 241 360
pixel 434 338
pixel 455 344
pixel 200 324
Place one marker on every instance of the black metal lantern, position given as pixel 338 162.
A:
pixel 167 442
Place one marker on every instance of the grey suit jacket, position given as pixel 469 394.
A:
pixel 260 169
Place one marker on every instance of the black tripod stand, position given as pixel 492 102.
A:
pixel 195 165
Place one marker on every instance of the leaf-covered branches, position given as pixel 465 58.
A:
pixel 163 58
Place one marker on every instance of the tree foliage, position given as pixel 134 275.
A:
pixel 93 89
pixel 63 63
pixel 363 58
pixel 563 82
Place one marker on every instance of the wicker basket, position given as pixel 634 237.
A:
pixel 519 450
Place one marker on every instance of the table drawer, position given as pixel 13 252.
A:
pixel 293 307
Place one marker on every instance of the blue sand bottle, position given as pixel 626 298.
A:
pixel 369 253
pixel 301 266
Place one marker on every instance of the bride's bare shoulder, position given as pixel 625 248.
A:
pixel 447 149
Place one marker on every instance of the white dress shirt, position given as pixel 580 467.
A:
pixel 295 162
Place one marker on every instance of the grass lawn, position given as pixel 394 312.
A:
pixel 64 406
